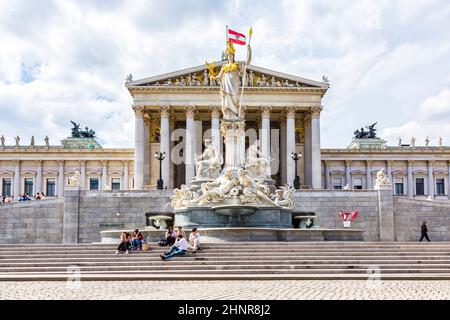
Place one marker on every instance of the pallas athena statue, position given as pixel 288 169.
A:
pixel 230 82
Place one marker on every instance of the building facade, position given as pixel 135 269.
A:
pixel 176 111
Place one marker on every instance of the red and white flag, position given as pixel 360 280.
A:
pixel 236 37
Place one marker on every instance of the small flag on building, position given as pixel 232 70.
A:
pixel 236 37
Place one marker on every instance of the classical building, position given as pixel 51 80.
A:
pixel 175 112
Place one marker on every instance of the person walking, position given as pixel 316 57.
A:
pixel 423 231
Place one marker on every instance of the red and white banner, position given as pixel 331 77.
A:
pixel 346 215
pixel 236 37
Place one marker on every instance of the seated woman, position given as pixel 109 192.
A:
pixel 38 196
pixel 123 246
pixel 129 244
pixel 137 240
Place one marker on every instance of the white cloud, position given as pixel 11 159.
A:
pixel 67 60
pixel 437 106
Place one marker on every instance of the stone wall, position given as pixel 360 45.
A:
pixel 409 214
pixel 327 204
pixel 106 210
pixel 32 222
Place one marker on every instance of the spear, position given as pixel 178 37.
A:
pixel 250 32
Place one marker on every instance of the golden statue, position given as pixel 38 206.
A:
pixel 210 67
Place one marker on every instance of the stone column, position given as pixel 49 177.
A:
pixel 71 215
pixel 327 175
pixel 105 184
pixel 61 179
pixel 389 174
pixel 83 174
pixel 125 176
pixel 410 183
pixel 385 213
pixel 265 134
pixel 369 184
pixel 146 165
pixel 290 144
pixel 308 150
pixel 16 187
pixel 165 144
pixel 38 187
pixel 430 179
pixel 448 180
pixel 316 174
pixel 348 178
pixel 215 128
pixel 139 135
pixel 190 144
pixel 282 160
pixel 171 183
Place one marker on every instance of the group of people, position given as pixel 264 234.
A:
pixel 178 243
pixel 23 197
pixel 176 240
pixel 130 242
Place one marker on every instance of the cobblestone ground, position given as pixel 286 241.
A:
pixel 207 290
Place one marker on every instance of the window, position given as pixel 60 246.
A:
pixel 115 184
pixel 357 183
pixel 420 187
pixel 93 184
pixel 440 191
pixel 50 190
pixel 28 185
pixel 399 187
pixel 337 183
pixel 6 189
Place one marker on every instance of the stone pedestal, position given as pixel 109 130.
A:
pixel 386 212
pixel 233 132
pixel 71 214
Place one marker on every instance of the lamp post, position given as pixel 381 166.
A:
pixel 160 156
pixel 296 156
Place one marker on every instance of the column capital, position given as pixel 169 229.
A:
pixel 430 162
pixel 347 162
pixel 147 121
pixel 389 162
pixel 215 111
pixel 38 161
pixel 61 162
pixel 165 111
pixel 327 162
pixel 125 162
pixel 104 162
pixel 265 111
pixel 410 162
pixel 190 111
pixel 82 162
pixel 290 111
pixel 139 110
pixel 369 162
pixel 315 112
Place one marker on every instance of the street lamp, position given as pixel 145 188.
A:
pixel 296 156
pixel 160 156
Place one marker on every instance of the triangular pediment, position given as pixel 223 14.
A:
pixel 198 77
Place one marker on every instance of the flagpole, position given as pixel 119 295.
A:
pixel 245 69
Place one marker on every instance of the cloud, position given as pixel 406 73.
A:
pixel 437 107
pixel 67 60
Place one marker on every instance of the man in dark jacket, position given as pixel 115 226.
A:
pixel 423 231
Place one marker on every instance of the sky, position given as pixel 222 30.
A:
pixel 388 61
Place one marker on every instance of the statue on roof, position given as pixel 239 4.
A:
pixel 129 78
pixel 362 134
pixel 77 133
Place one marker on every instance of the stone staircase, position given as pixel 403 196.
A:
pixel 231 261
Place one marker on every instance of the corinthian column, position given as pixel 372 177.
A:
pixel 430 179
pixel 165 144
pixel 308 150
pixel 16 187
pixel 146 164
pixel 315 148
pixel 61 179
pixel 190 144
pixel 282 159
pixel 83 174
pixel 38 177
pixel 125 175
pixel 139 136
pixel 265 134
pixel 290 144
pixel 369 184
pixel 215 128
pixel 410 183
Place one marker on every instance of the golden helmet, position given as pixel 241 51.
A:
pixel 230 48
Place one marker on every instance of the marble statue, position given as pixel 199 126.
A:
pixel 382 178
pixel 205 78
pixel 440 143
pixel 251 79
pixel 254 192
pixel 325 80
pixel 256 164
pixel 2 139
pixel 262 82
pixel 129 78
pixel 216 190
pixel 413 141
pixel 427 141
pixel 273 82
pixel 46 140
pixel 209 163
pixel 17 140
pixel 75 180
pixel 283 196
pixel 399 141
pixel 181 197
pixel 229 77
pixel 32 141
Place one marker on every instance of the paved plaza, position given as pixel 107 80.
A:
pixel 207 290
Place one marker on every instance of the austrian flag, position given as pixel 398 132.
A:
pixel 236 37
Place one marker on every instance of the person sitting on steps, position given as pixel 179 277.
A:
pixel 137 240
pixel 123 246
pixel 194 240
pixel 181 231
pixel 169 239
pixel 178 249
